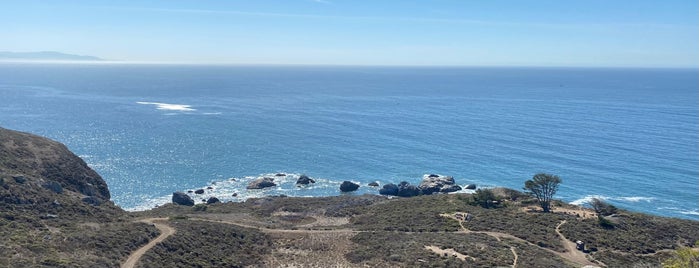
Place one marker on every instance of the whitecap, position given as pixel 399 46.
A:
pixel 169 106
pixel 633 199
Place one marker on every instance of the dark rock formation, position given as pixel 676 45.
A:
pixel 199 191
pixel 209 188
pixel 389 189
pixel 235 194
pixel 471 187
pixel 53 186
pixel 212 200
pixel 261 183
pixel 181 198
pixel 374 184
pixel 348 186
pixel 435 183
pixel 305 180
pixel 283 175
pixel 405 189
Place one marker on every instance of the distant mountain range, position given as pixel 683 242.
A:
pixel 45 55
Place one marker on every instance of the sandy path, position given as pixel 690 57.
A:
pixel 572 253
pixel 165 232
pixel 450 252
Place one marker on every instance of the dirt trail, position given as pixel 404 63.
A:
pixel 165 232
pixel 572 253
pixel 268 230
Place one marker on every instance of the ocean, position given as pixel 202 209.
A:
pixel 629 136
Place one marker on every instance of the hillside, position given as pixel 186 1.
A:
pixel 55 212
pixel 45 56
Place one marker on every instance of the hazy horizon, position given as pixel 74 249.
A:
pixel 622 34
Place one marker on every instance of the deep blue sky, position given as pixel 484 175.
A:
pixel 606 33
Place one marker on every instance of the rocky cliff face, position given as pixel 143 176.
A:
pixel 33 159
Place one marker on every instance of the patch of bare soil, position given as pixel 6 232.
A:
pixel 310 249
pixel 449 252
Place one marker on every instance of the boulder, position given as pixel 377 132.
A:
pixel 471 187
pixel 305 180
pixel 405 189
pixel 181 198
pixel 209 188
pixel 283 175
pixel 374 184
pixel 234 194
pixel 199 191
pixel 433 184
pixel 212 200
pixel 53 186
pixel 261 183
pixel 348 186
pixel 389 189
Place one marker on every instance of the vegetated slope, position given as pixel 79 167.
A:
pixel 55 210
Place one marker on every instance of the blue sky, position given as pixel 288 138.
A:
pixel 350 32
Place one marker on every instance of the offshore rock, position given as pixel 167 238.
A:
pixel 348 186
pixel 261 183
pixel 305 180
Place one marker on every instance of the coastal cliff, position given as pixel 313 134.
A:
pixel 55 212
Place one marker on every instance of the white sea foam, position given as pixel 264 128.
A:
pixel 225 189
pixel 632 199
pixel 169 106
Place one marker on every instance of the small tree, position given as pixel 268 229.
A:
pixel 485 198
pixel 543 186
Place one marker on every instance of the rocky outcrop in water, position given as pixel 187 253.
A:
pixel 305 180
pixel 438 184
pixel 403 189
pixel 348 186
pixel 262 183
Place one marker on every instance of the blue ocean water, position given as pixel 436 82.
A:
pixel 626 135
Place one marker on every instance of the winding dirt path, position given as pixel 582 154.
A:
pixel 572 253
pixel 165 232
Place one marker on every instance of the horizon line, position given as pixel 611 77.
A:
pixel 273 64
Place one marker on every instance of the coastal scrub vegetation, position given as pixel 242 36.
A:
pixel 207 244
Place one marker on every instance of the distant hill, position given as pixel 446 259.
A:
pixel 45 55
